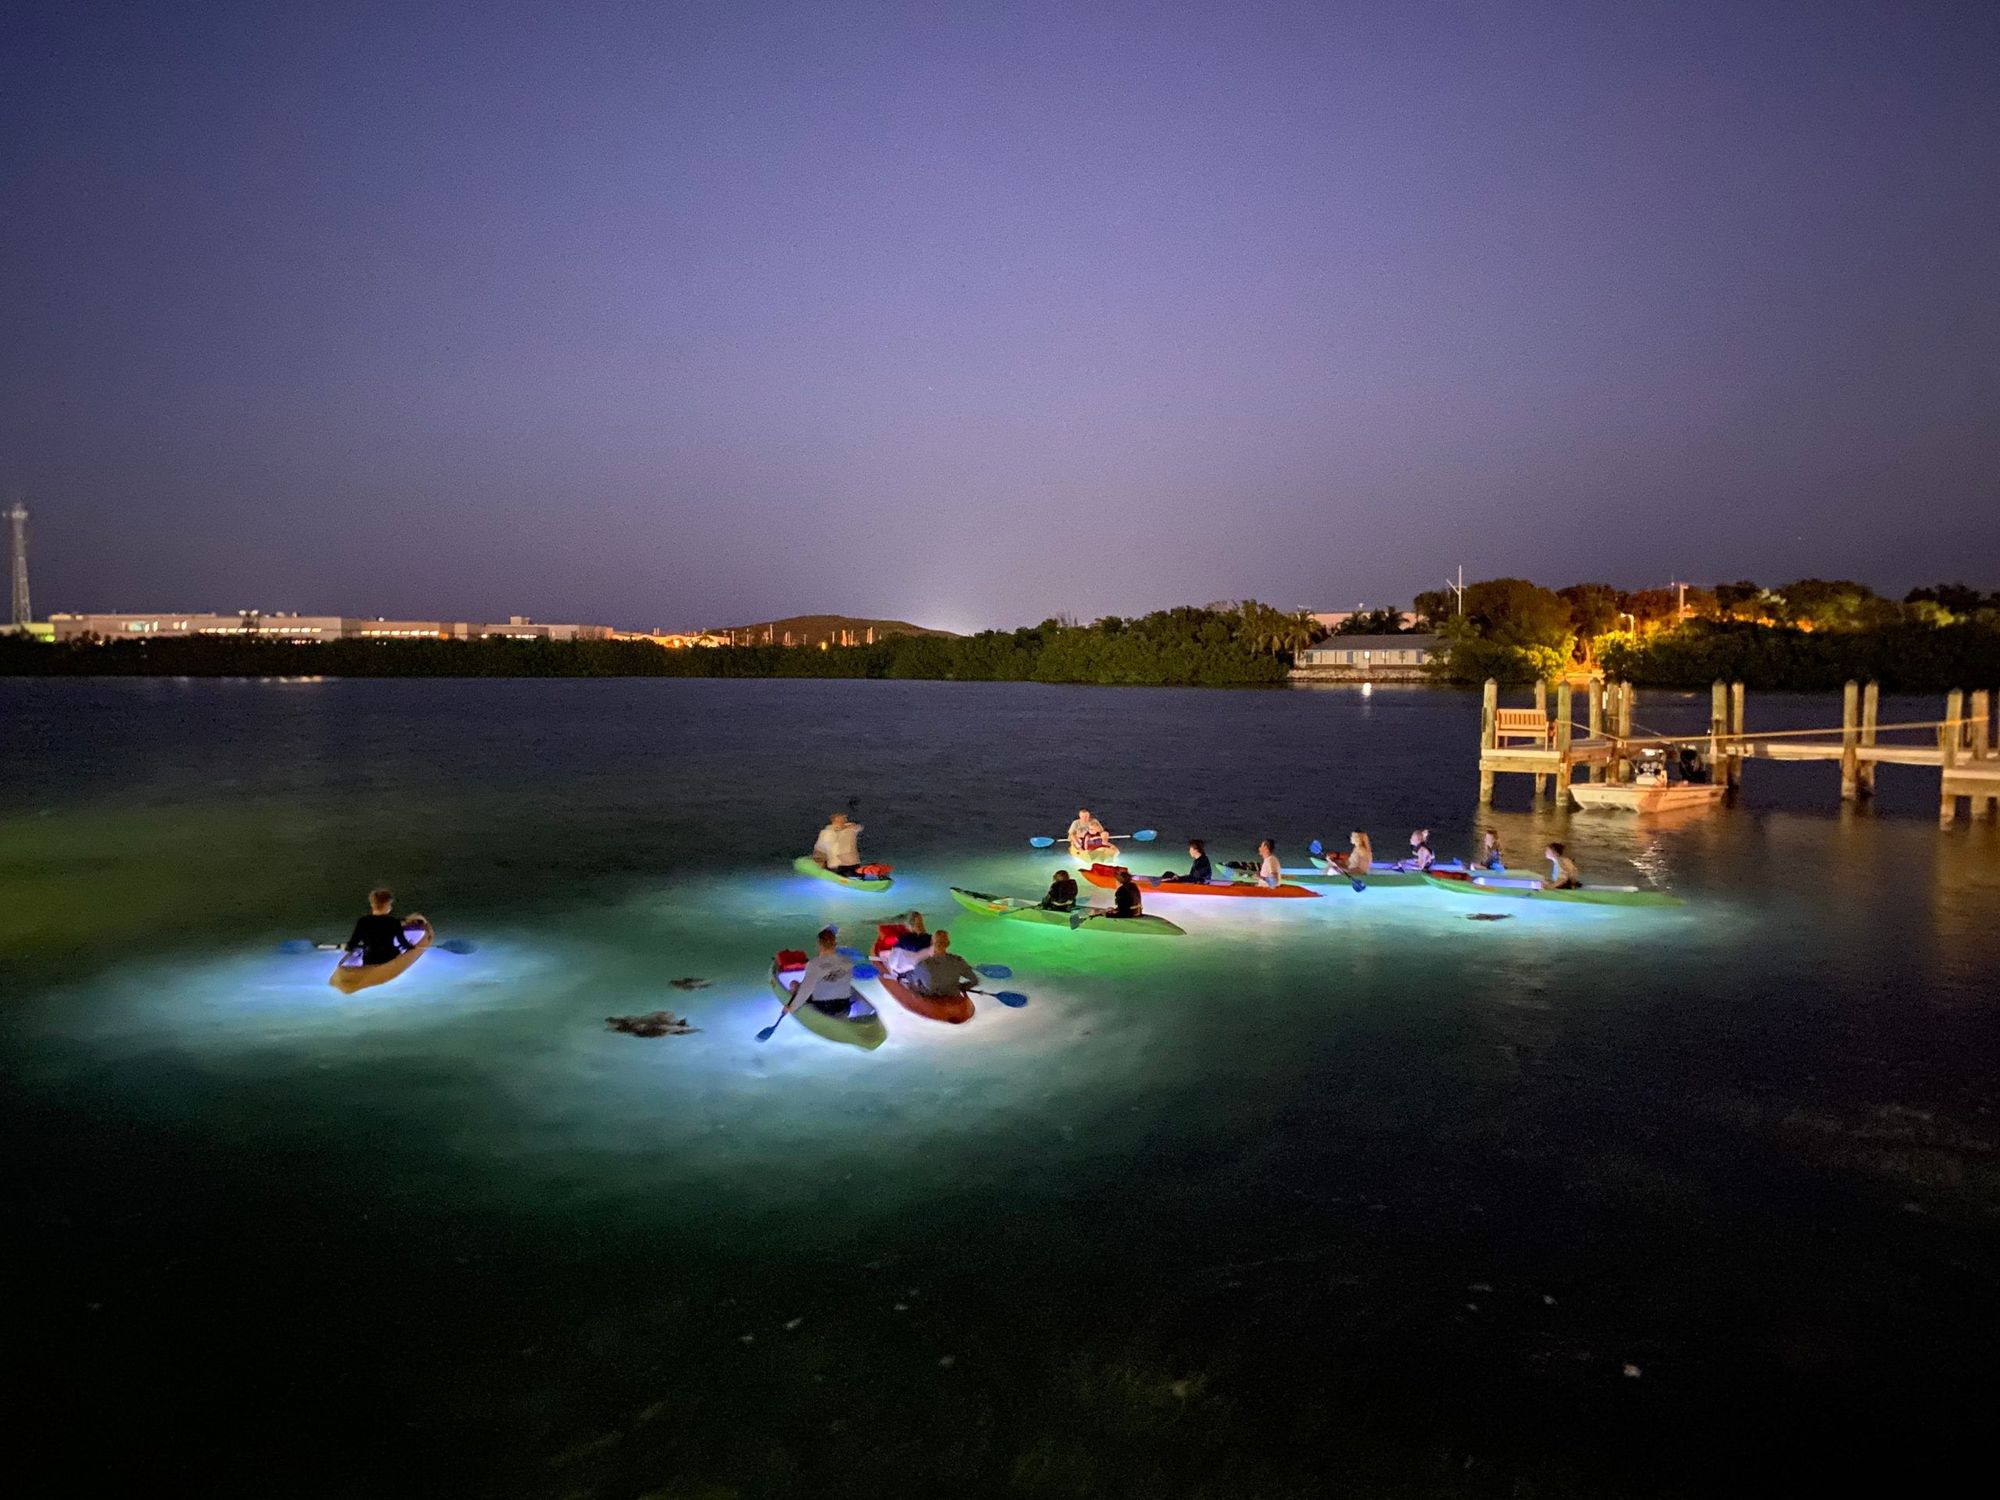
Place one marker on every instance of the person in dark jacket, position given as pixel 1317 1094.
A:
pixel 1200 871
pixel 379 937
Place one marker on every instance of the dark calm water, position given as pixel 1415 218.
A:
pixel 1352 1196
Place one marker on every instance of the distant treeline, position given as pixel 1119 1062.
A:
pixel 1242 647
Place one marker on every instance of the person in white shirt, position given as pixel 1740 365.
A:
pixel 839 845
pixel 827 984
pixel 1086 834
pixel 1269 871
pixel 1563 874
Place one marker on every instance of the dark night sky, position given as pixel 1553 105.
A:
pixel 667 314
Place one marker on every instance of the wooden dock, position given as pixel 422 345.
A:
pixel 1962 744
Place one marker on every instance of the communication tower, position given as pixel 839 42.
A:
pixel 17 519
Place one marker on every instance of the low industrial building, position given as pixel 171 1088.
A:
pixel 305 629
pixel 1368 658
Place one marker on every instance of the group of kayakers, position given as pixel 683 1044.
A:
pixel 1088 839
pixel 1360 858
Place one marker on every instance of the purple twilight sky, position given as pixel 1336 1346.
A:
pixel 671 314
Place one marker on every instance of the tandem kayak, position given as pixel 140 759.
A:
pixel 347 977
pixel 860 1027
pixel 1106 877
pixel 956 1010
pixel 1532 888
pixel 805 864
pixel 1085 919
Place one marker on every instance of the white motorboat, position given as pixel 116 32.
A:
pixel 1645 797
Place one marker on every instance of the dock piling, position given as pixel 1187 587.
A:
pixel 1564 704
pixel 1489 739
pixel 1850 741
pixel 1871 715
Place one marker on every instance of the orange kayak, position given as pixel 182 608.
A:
pixel 1106 876
pixel 954 1010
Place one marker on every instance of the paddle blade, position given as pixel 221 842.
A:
pixel 852 955
pixel 866 971
pixel 765 1034
pixel 459 945
pixel 1359 886
pixel 298 945
pixel 1316 847
pixel 1043 843
pixel 1010 998
pixel 1146 835
pixel 993 971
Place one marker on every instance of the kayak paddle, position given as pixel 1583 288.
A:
pixel 1005 997
pixel 307 945
pixel 1143 836
pixel 1316 847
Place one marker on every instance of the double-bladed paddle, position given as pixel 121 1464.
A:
pixel 1318 851
pixel 307 945
pixel 1143 836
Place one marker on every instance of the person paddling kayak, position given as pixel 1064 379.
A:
pixel 1360 858
pixel 1269 871
pixel 941 974
pixel 1062 893
pixel 838 846
pixel 1490 857
pixel 1125 900
pixel 1200 871
pixel 378 937
pixel 913 941
pixel 1421 855
pixel 1563 873
pixel 1087 838
pixel 827 984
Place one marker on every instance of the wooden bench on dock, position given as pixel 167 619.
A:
pixel 1529 724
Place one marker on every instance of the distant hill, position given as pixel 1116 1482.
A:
pixel 810 630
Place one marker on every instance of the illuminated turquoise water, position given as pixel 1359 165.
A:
pixel 1326 1196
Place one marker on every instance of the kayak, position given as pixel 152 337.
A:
pixel 1532 888
pixel 861 1027
pixel 1085 919
pixel 348 977
pixel 1106 877
pixel 955 1010
pixel 1391 875
pixel 805 864
pixel 1385 876
pixel 1091 856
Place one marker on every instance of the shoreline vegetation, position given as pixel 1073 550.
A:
pixel 1811 635
pixel 1245 646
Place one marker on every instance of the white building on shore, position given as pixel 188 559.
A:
pixel 1367 658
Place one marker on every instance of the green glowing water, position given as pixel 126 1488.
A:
pixel 1344 1193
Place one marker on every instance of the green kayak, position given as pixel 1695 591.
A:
pixel 1531 888
pixel 805 864
pixel 862 1027
pixel 1086 919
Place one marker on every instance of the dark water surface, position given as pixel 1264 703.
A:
pixel 1349 1196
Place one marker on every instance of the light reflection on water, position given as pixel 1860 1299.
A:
pixel 1532 1087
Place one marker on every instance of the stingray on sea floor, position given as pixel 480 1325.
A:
pixel 688 984
pixel 1488 916
pixel 658 1023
